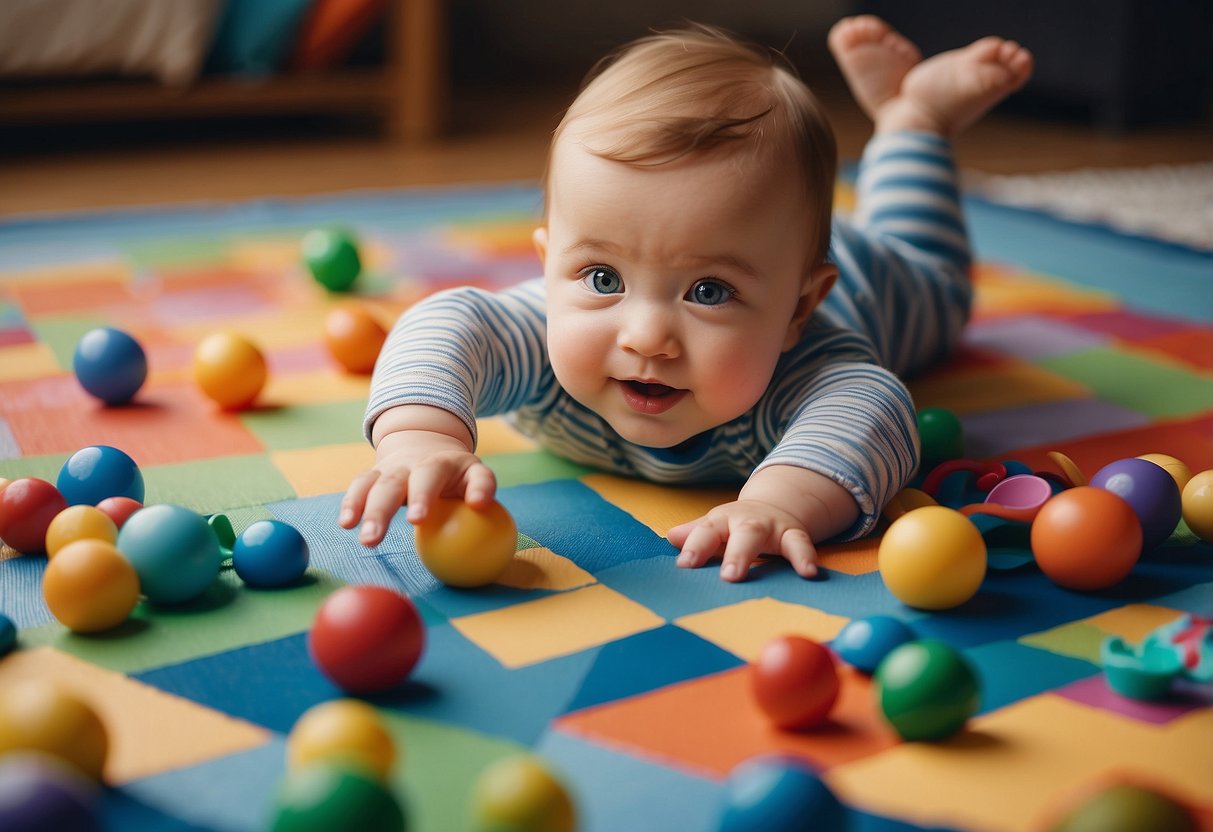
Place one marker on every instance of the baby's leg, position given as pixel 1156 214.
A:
pixel 904 262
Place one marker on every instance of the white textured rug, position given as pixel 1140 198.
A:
pixel 1169 202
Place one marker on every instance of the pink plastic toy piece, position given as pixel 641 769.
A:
pixel 1015 498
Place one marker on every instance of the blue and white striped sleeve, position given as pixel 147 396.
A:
pixel 465 350
pixel 845 417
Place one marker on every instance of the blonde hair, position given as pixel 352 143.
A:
pixel 698 90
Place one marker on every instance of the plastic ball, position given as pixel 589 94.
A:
pixel 8 634
pixel 354 338
pixel 92 474
pixel 79 523
pixel 775 793
pixel 941 434
pixel 173 550
pixel 332 257
pixel 519 794
pixel 343 731
pixel 37 714
pixel 1197 505
pixel 110 365
pixel 1150 490
pixel 366 639
pixel 1177 468
pixel 927 690
pixel 119 509
pixel 932 558
pixel 90 587
pixel 324 797
pixel 270 553
pixel 1086 538
pixel 864 642
pixel 1125 807
pixel 230 370
pixel 795 682
pixel 27 507
pixel 39 793
pixel 466 547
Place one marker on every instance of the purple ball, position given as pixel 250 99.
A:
pixel 38 793
pixel 1150 490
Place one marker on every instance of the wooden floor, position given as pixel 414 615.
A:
pixel 496 136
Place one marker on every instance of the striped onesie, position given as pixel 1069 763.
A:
pixel 835 404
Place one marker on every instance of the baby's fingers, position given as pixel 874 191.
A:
pixel 700 546
pixel 746 542
pixel 354 500
pixel 481 487
pixel 385 497
pixel 800 552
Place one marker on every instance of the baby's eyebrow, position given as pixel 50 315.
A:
pixel 731 261
pixel 592 244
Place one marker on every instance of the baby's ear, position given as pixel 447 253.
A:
pixel 816 286
pixel 540 238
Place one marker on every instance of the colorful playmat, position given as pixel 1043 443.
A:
pixel 626 674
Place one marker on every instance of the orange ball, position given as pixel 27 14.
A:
pixel 354 338
pixel 79 523
pixel 230 369
pixel 1086 538
pixel 90 586
pixel 462 546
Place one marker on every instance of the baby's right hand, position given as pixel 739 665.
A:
pixel 414 467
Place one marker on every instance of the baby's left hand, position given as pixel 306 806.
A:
pixel 740 531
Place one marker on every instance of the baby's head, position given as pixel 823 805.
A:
pixel 689 194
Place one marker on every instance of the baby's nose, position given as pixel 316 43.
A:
pixel 650 331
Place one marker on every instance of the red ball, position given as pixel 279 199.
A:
pixel 27 507
pixel 119 509
pixel 1086 538
pixel 795 681
pixel 366 639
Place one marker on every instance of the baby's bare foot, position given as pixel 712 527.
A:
pixel 950 91
pixel 873 58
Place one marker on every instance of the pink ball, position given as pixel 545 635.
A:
pixel 366 639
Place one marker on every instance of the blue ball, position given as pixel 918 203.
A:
pixel 270 553
pixel 864 642
pixel 173 550
pixel 8 634
pixel 110 365
pixel 94 473
pixel 37 793
pixel 774 793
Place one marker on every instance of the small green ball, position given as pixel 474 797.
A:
pixel 942 436
pixel 332 257
pixel 324 796
pixel 927 690
pixel 1127 808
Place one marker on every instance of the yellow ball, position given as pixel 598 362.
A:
pixel 37 714
pixel 462 546
pixel 79 523
pixel 932 558
pixel 90 586
pixel 1198 505
pixel 518 794
pixel 345 731
pixel 230 369
pixel 1179 472
pixel 905 501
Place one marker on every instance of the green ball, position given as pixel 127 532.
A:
pixel 324 796
pixel 332 257
pixel 942 436
pixel 1127 808
pixel 927 690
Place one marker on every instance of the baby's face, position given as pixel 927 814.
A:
pixel 672 290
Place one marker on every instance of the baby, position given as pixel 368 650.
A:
pixel 701 318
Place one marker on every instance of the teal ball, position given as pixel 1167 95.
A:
pixel 173 550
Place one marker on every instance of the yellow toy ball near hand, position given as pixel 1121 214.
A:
pixel 38 714
pixel 519 794
pixel 466 547
pixel 343 731
pixel 230 370
pixel 79 523
pixel 1198 505
pixel 932 558
pixel 90 586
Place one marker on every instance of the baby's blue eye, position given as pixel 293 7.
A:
pixel 710 292
pixel 602 280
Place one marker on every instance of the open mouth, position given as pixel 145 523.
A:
pixel 650 397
